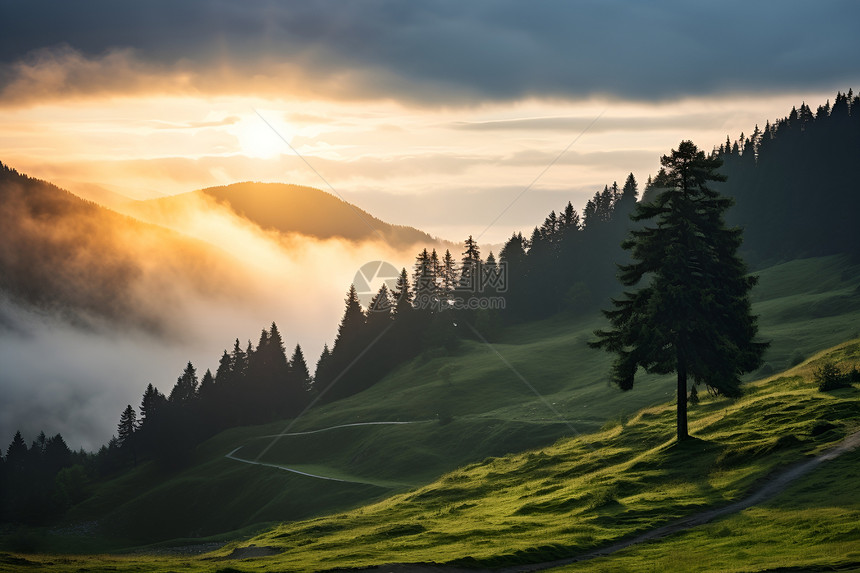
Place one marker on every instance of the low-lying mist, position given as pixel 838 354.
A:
pixel 75 377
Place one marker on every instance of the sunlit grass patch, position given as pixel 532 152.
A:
pixel 814 525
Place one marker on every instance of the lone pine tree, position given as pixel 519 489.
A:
pixel 692 314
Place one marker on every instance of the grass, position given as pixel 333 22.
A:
pixel 585 492
pixel 472 408
pixel 813 526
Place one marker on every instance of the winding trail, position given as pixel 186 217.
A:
pixel 342 426
pixel 775 484
pixel 232 455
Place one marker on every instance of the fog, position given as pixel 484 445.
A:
pixel 60 376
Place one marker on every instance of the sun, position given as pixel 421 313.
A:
pixel 262 140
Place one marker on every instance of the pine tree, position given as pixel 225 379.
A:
pixel 589 214
pixel 152 407
pixel 470 268
pixel 379 311
pixel 323 367
pixel 447 278
pixel 16 453
pixel 207 385
pixel 185 389
pixel 37 448
pixel 349 332
pixel 299 368
pixel 239 360
pixel 693 315
pixel 472 252
pixel 550 226
pixel 570 219
pixel 224 373
pixel 606 204
pixel 126 430
pixel 490 274
pixel 57 454
pixel 630 192
pixel 277 355
pixel 348 345
pixel 424 281
pixel 151 404
pixel 267 386
pixel 402 295
pixel 615 192
pixel 436 270
pixel 513 255
pixel 127 427
pixel 249 353
pixel 258 360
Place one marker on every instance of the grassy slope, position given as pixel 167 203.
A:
pixel 587 491
pixel 584 492
pixel 812 526
pixel 491 411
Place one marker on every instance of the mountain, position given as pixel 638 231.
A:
pixel 286 209
pixel 101 195
pixel 60 253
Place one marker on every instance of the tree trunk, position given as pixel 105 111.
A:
pixel 682 401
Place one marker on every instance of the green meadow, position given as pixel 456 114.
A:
pixel 530 459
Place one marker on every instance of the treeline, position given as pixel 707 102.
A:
pixel 795 183
pixel 252 385
pixel 568 264
pixel 41 481
pixel 416 313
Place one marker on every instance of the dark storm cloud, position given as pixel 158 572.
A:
pixel 449 51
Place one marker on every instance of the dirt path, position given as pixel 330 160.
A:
pixel 232 455
pixel 775 484
pixel 342 426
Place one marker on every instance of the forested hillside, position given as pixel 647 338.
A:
pixel 797 183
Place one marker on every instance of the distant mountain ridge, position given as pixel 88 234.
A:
pixel 61 253
pixel 294 209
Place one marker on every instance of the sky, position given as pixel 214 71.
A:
pixel 455 117
pixel 441 115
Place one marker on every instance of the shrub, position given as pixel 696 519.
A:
pixel 829 377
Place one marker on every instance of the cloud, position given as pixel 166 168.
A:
pixel 231 120
pixel 456 212
pixel 59 377
pixel 437 53
pixel 604 125
pixel 62 72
